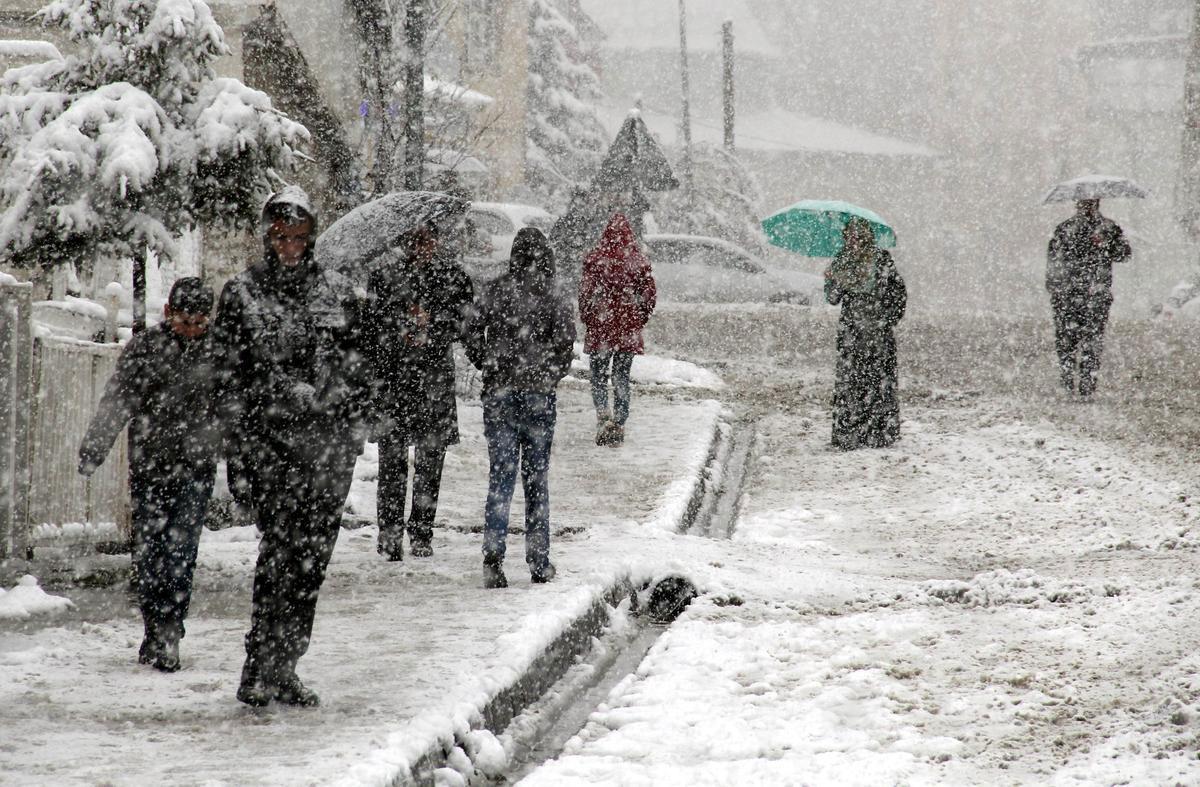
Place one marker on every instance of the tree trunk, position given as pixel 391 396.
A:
pixel 416 22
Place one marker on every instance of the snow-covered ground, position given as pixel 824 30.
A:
pixel 403 654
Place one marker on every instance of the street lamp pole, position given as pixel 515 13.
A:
pixel 685 108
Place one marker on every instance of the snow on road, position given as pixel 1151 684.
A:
pixel 995 600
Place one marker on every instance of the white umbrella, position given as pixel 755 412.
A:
pixel 1095 187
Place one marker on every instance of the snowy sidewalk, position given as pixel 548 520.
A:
pixel 404 655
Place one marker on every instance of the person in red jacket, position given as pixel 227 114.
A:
pixel 616 298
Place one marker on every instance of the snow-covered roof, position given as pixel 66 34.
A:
pixel 775 130
pixel 21 48
pixel 641 26
pixel 459 94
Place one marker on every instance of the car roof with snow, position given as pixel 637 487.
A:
pixel 697 240
pixel 518 212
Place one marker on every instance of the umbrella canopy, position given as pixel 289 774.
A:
pixel 634 159
pixel 355 241
pixel 1095 187
pixel 814 227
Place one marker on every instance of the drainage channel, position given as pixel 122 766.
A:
pixel 609 645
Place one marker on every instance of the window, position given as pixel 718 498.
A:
pixel 491 224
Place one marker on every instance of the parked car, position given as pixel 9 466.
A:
pixel 491 229
pixel 696 268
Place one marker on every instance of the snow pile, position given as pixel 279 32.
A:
pixel 26 599
pixel 657 370
pixel 993 588
pixel 757 694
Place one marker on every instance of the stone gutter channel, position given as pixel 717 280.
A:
pixel 552 700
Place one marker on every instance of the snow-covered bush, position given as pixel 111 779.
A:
pixel 117 150
pixel 565 138
pixel 725 200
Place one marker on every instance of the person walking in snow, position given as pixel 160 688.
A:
pixel 413 314
pixel 1079 279
pixel 863 279
pixel 292 397
pixel 520 336
pixel 616 298
pixel 163 388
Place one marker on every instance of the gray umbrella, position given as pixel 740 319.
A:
pixel 1095 187
pixel 366 234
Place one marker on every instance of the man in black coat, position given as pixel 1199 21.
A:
pixel 162 388
pixel 292 398
pixel 1079 280
pixel 520 335
pixel 414 312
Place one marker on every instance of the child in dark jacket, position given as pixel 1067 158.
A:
pixel 163 389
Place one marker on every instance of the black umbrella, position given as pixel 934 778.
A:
pixel 353 243
pixel 634 160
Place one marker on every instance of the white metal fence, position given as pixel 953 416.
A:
pixel 47 397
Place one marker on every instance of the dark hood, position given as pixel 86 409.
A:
pixel 531 255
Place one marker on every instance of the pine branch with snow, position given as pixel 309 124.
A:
pixel 565 138
pixel 119 149
pixel 725 200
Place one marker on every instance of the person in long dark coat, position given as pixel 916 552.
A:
pixel 520 335
pixel 1079 279
pixel 414 313
pixel 292 399
pixel 864 280
pixel 163 388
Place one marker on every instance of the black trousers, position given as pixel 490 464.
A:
pixel 299 494
pixel 1079 340
pixel 429 456
pixel 168 516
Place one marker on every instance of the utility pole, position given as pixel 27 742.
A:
pixel 1189 162
pixel 416 20
pixel 727 80
pixel 686 113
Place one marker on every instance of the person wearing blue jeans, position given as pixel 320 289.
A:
pixel 599 363
pixel 519 427
pixel 162 389
pixel 520 335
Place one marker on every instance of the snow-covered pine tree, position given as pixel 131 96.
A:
pixel 725 200
pixel 117 150
pixel 565 138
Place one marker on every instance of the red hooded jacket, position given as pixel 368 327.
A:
pixel 617 294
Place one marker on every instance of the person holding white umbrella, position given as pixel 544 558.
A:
pixel 1079 279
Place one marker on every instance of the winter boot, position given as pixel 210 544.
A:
pixel 605 433
pixel 254 689
pixel 290 691
pixel 148 652
pixel 617 434
pixel 540 576
pixel 391 544
pixel 493 575
pixel 167 657
pixel 420 540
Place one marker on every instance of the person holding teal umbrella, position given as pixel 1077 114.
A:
pixel 862 279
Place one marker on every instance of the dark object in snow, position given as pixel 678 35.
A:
pixel 1079 279
pixel 367 236
pixel 520 336
pixel 866 411
pixel 163 389
pixel 633 165
pixel 493 575
pixel 292 400
pixel 414 311
pixel 1091 187
pixel 616 298
pixel 669 597
pixel 544 574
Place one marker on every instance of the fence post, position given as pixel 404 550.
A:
pixel 16 358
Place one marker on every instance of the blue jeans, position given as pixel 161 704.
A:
pixel 519 427
pixel 168 515
pixel 598 364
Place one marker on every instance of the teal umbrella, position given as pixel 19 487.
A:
pixel 813 227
